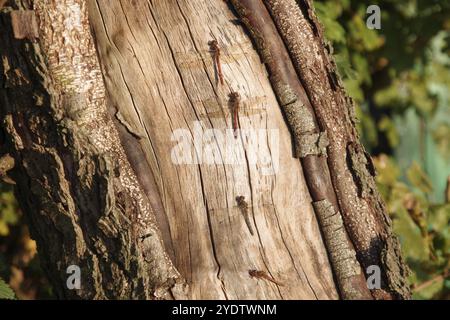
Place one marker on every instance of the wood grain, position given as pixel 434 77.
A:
pixel 160 77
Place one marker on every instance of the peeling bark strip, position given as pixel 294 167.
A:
pixel 334 232
pixel 313 144
pixel 363 210
pixel 24 24
pixel 301 120
pixel 83 200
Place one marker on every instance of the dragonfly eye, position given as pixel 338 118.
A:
pixel 213 43
pixel 234 95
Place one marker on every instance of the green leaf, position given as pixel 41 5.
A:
pixel 6 292
pixel 439 217
pixel 419 179
pixel 387 126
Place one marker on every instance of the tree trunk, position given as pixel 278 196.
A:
pixel 107 109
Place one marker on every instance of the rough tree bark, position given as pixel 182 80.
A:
pixel 93 97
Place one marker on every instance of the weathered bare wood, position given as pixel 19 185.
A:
pixel 160 76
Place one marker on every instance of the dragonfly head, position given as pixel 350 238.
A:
pixel 213 44
pixel 234 96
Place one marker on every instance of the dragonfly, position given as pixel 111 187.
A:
pixel 263 275
pixel 235 103
pixel 216 51
pixel 228 54
pixel 248 106
pixel 242 211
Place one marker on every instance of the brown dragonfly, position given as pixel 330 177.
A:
pixel 229 54
pixel 240 212
pixel 249 106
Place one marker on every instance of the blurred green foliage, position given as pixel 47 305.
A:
pixel 5 291
pixel 20 273
pixel 8 211
pixel 399 77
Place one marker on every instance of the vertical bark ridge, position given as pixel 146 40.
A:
pixel 310 145
pixel 352 172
